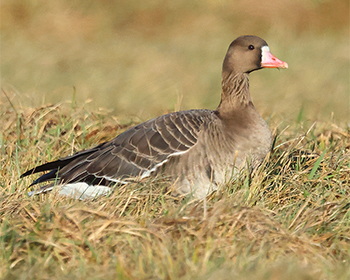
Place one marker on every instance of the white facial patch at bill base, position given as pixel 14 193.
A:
pixel 265 51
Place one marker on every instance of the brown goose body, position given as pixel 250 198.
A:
pixel 198 149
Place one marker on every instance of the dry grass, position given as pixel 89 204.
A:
pixel 290 221
pixel 143 59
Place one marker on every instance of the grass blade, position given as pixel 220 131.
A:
pixel 317 164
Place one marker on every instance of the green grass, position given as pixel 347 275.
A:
pixel 289 221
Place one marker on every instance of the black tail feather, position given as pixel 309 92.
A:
pixel 57 164
pixel 45 177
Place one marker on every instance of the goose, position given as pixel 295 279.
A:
pixel 198 150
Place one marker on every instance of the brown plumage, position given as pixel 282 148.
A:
pixel 197 149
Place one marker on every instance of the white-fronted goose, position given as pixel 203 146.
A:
pixel 197 149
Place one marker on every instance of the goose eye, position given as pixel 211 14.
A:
pixel 251 47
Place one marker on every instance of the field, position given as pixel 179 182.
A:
pixel 77 73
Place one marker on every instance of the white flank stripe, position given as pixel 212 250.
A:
pixel 179 153
pixel 148 172
pixel 112 179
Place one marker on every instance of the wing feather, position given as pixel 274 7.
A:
pixel 138 151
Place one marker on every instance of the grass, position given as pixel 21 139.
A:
pixel 144 59
pixel 289 221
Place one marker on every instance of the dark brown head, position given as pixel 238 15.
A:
pixel 249 53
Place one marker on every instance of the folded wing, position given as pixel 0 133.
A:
pixel 136 153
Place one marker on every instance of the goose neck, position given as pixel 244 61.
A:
pixel 235 92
